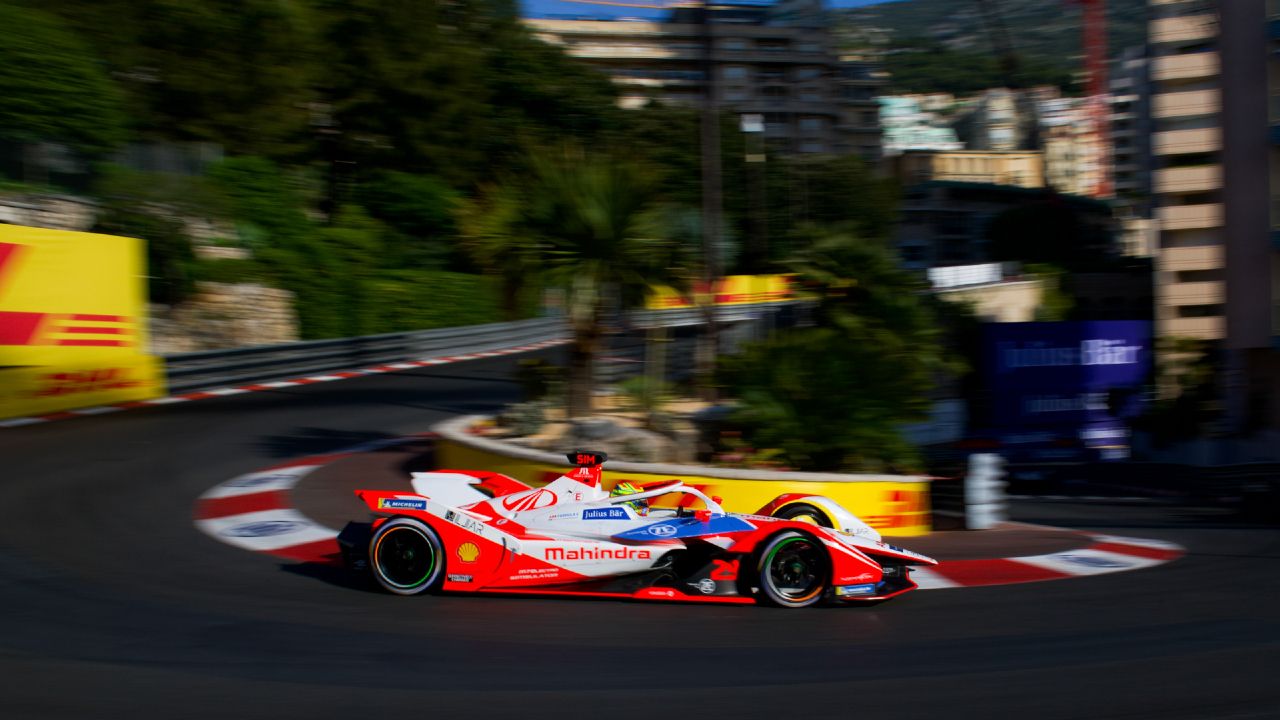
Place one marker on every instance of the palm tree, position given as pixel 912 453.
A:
pixel 587 223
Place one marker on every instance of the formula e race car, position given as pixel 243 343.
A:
pixel 471 531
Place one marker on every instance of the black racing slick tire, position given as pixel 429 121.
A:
pixel 804 512
pixel 793 570
pixel 406 556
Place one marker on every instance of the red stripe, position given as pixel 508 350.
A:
pixel 80 317
pixel 994 572
pixel 92 343
pixel 18 328
pixel 325 552
pixel 240 504
pixel 91 330
pixel 1137 550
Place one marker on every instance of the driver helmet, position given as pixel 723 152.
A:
pixel 625 488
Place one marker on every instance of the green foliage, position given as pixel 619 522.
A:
pixel 645 394
pixel 924 67
pixel 1188 401
pixel 233 72
pixel 420 210
pixel 1055 304
pixel 52 86
pixel 833 397
pixel 1046 37
pixel 171 262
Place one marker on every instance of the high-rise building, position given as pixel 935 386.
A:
pixel 1216 75
pixel 1187 154
pixel 778 62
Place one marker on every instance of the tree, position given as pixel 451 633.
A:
pixel 834 396
pixel 587 221
pixel 238 73
pixel 52 86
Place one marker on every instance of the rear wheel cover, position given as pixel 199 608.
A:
pixel 805 513
pixel 406 557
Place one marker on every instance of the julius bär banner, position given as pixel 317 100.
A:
pixel 72 321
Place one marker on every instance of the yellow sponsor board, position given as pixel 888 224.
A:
pixel 73 329
pixel 898 507
pixel 728 290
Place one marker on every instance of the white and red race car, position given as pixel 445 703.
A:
pixel 473 531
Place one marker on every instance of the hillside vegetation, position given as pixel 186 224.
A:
pixel 946 45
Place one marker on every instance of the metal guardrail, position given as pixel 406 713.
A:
pixel 215 368
pixel 219 368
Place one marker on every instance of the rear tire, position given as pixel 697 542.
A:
pixel 793 570
pixel 406 556
pixel 804 512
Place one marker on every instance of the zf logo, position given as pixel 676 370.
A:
pixel 67 383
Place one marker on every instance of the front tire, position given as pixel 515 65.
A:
pixel 793 570
pixel 406 556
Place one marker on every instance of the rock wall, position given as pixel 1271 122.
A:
pixel 220 316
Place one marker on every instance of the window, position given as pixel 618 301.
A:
pixel 1186 276
pixel 808 73
pixel 810 94
pixel 735 94
pixel 775 91
pixel 811 146
pixel 809 47
pixel 1197 311
pixel 735 72
pixel 811 124
pixel 734 44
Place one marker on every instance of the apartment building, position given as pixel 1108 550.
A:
pixel 1018 168
pixel 779 62
pixel 1214 69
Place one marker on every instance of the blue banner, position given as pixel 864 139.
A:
pixel 1067 381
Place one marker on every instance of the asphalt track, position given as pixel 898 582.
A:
pixel 112 604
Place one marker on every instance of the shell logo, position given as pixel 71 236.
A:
pixel 468 552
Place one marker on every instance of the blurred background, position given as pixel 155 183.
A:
pixel 1040 227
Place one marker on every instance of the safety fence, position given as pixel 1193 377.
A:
pixel 214 368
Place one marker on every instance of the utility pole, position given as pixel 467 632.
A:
pixel 711 204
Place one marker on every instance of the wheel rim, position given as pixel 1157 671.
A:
pixel 794 568
pixel 405 556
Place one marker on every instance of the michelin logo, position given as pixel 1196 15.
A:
pixel 401 504
pixel 613 513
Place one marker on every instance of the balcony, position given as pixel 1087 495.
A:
pixel 1192 293
pixel 1205 328
pixel 1188 179
pixel 1185 67
pixel 1178 142
pixel 1188 28
pixel 1204 257
pixel 1185 104
pixel 1190 217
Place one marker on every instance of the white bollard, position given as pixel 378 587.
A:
pixel 985 503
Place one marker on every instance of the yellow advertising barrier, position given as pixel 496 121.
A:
pixel 728 290
pixel 73 324
pixel 898 506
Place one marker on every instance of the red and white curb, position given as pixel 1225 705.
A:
pixel 253 512
pixel 257 387
pixel 1106 554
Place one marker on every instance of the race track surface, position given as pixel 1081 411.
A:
pixel 112 604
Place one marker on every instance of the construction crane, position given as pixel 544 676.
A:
pixel 1094 22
